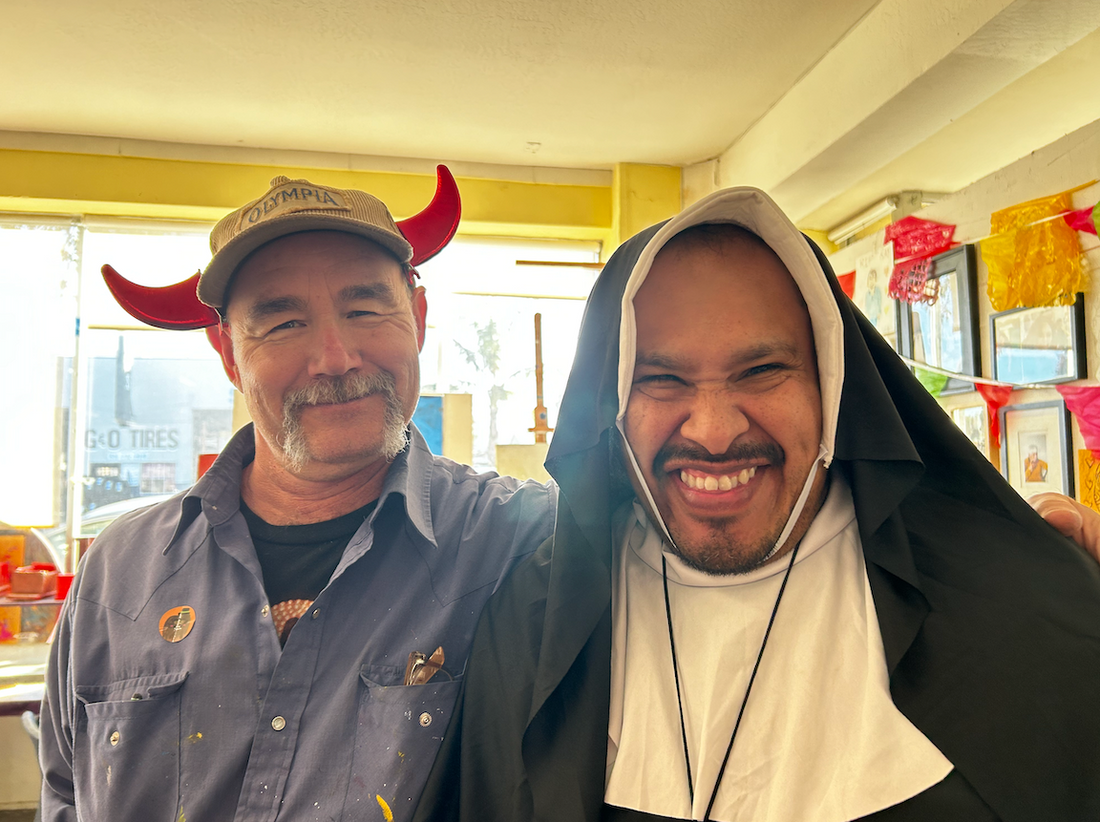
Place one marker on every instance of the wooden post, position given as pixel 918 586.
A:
pixel 541 428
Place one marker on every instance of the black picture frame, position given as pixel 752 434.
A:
pixel 1044 426
pixel 1035 346
pixel 921 326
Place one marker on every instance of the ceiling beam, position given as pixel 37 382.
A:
pixel 906 71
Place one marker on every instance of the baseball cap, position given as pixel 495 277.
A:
pixel 290 206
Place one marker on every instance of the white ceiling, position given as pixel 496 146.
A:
pixel 829 104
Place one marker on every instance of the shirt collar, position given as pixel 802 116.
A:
pixel 218 491
pixel 410 476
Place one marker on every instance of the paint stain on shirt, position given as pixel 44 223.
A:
pixel 387 814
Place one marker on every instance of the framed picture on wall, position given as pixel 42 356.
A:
pixel 1039 345
pixel 944 333
pixel 972 421
pixel 1035 447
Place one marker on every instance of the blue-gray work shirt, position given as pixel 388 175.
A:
pixel 223 724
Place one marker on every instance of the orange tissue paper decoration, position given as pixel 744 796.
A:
pixel 1089 486
pixel 1032 260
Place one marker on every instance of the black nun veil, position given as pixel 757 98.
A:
pixel 989 618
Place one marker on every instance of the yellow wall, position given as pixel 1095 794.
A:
pixel 51 182
pixel 822 240
pixel 641 195
pixel 70 183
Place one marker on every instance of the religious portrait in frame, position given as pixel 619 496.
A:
pixel 1039 345
pixel 943 331
pixel 1035 447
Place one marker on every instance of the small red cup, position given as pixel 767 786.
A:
pixel 64 581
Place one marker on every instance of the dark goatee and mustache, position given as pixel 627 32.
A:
pixel 767 451
pixel 335 391
pixel 718 556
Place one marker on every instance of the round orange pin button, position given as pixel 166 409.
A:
pixel 177 623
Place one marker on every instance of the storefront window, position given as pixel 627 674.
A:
pixel 146 400
pixel 481 334
pixel 153 401
pixel 39 273
pixel 149 402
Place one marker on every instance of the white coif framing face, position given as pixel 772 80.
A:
pixel 730 372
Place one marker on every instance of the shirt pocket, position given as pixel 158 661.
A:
pixel 400 728
pixel 126 758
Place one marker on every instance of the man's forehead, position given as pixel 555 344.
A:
pixel 721 274
pixel 713 262
pixel 719 249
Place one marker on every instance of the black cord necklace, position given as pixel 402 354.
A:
pixel 748 689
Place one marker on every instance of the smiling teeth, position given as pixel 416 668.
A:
pixel 725 482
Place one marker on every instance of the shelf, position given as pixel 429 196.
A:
pixel 23 603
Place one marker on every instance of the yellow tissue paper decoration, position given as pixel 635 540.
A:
pixel 1033 263
pixel 1089 487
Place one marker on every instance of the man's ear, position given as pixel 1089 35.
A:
pixel 224 346
pixel 420 314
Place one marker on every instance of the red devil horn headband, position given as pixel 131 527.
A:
pixel 177 307
pixel 430 230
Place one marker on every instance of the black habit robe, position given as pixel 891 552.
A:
pixel 989 618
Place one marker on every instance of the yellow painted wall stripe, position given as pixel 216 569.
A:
pixel 56 182
pixel 644 195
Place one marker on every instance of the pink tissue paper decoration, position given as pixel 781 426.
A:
pixel 1083 401
pixel 916 241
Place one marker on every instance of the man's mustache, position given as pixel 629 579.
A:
pixel 745 452
pixel 336 390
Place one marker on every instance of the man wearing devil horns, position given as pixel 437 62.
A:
pixel 782 585
pixel 288 637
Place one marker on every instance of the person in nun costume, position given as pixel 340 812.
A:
pixel 782 584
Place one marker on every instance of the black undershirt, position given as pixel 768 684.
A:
pixel 297 561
